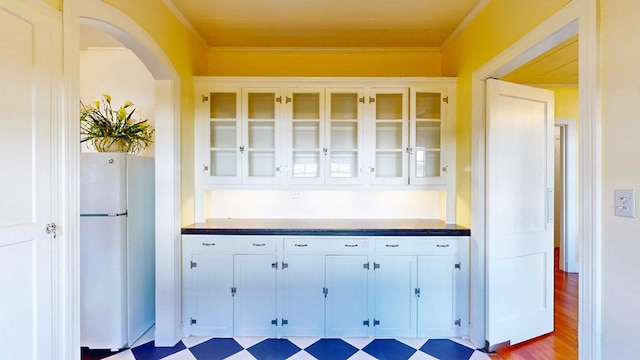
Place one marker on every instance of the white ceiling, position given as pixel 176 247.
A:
pixel 326 23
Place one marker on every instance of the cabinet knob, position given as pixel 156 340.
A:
pixel 205 168
pixel 241 149
pixel 372 169
pixel 324 150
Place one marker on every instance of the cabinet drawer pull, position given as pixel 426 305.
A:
pixel 208 244
pixel 262 244
pixel 350 245
pixel 392 245
pixel 300 245
pixel 440 245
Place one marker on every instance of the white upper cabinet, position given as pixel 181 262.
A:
pixel 427 147
pixel 260 147
pixel 275 132
pixel 389 135
pixel 343 147
pixel 305 135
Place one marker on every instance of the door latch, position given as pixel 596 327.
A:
pixel 51 229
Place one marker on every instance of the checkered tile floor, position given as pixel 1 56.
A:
pixel 245 348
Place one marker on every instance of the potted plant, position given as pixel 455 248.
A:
pixel 114 130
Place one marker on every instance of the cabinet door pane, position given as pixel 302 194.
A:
pixel 222 105
pixel 395 294
pixel 427 157
pixel 303 299
pixel 346 301
pixel 344 164
pixel 223 163
pixel 436 304
pixel 344 106
pixel 261 105
pixel 306 106
pixel 389 106
pixel 306 164
pixel 428 105
pixel 261 164
pixel 255 298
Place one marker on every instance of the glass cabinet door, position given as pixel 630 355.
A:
pixel 306 121
pixel 344 136
pixel 259 148
pixel 223 163
pixel 389 163
pixel 426 128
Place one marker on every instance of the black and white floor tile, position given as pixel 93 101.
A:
pixel 302 348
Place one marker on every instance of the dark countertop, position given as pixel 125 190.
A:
pixel 326 227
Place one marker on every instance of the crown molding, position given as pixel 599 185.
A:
pixel 465 22
pixel 186 23
pixel 336 50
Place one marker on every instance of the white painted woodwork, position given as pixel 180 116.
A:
pixel 346 302
pixel 389 136
pixel 209 296
pixel 303 297
pixel 395 297
pixel 437 301
pixel 325 286
pixel 519 197
pixel 27 153
pixel 254 304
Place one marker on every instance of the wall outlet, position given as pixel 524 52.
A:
pixel 625 203
pixel 296 195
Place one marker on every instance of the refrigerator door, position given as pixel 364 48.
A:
pixel 103 183
pixel 103 271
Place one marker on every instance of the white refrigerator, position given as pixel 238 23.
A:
pixel 117 252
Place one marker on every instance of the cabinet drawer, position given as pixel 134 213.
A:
pixel 326 245
pixel 417 245
pixel 230 244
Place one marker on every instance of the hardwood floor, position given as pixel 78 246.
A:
pixel 562 343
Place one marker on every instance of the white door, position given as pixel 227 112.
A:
pixel 437 300
pixel 29 39
pixel 210 311
pixel 519 213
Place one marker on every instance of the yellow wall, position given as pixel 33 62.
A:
pixel 499 25
pixel 189 58
pixel 54 3
pixel 566 102
pixel 324 62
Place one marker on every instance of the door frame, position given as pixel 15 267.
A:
pixel 577 17
pixel 568 257
pixel 167 169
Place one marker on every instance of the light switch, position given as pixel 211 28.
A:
pixel 625 203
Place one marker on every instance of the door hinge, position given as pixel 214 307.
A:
pixel 445 99
pixel 361 99
pixel 372 99
pixel 365 266
pixel 366 322
pixel 285 322
pixel 285 265
pixel 194 264
pixel 457 322
pixel 376 266
pixel 274 322
pixel 417 292
pixel 325 291
pixel 233 291
pixel 279 99
pixel 445 169
pixel 193 321
pixel 458 266
pixel 287 100
pixel 205 98
pixel 274 265
pixel 376 322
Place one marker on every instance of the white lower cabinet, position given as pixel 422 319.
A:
pixel 254 304
pixel 325 287
pixel 346 296
pixel 303 297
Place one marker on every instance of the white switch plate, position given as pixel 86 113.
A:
pixel 625 203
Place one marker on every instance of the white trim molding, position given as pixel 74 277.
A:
pixel 579 16
pixel 167 157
